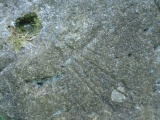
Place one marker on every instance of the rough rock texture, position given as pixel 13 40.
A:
pixel 91 60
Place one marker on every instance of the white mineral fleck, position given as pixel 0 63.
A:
pixel 117 96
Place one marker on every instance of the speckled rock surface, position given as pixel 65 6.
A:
pixel 91 60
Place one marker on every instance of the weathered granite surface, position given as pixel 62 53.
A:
pixel 91 60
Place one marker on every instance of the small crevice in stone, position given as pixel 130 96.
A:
pixel 39 82
pixel 146 29
pixel 129 54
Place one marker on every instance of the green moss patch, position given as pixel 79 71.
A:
pixel 25 28
pixel 28 23
pixel 1 118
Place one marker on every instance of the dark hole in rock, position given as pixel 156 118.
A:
pixel 145 29
pixel 9 26
pixel 40 83
pixel 129 54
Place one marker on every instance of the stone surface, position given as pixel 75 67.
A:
pixel 91 60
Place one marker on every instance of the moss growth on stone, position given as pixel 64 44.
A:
pixel 16 40
pixel 1 118
pixel 28 23
pixel 25 28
